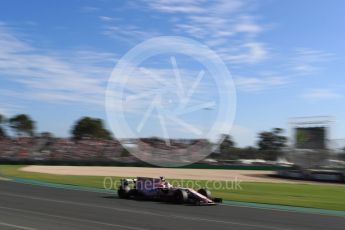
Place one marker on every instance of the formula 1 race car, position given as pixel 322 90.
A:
pixel 158 189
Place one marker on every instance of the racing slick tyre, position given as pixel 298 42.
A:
pixel 205 192
pixel 180 196
pixel 133 193
pixel 123 192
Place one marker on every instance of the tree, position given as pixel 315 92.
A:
pixel 2 130
pixel 341 155
pixel 88 127
pixel 227 146
pixel 22 124
pixel 272 140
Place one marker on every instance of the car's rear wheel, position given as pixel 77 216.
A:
pixel 123 192
pixel 205 192
pixel 180 196
pixel 133 193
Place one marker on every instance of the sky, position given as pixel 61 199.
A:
pixel 286 59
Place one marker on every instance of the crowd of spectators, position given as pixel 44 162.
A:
pixel 65 149
pixel 18 148
pixel 23 148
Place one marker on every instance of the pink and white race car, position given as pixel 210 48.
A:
pixel 159 189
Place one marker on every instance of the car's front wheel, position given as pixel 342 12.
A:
pixel 205 192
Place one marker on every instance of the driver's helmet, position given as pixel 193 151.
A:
pixel 162 178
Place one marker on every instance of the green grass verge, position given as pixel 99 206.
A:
pixel 328 196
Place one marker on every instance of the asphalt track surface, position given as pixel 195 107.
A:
pixel 30 207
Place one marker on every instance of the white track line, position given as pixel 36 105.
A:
pixel 16 226
pixel 70 218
